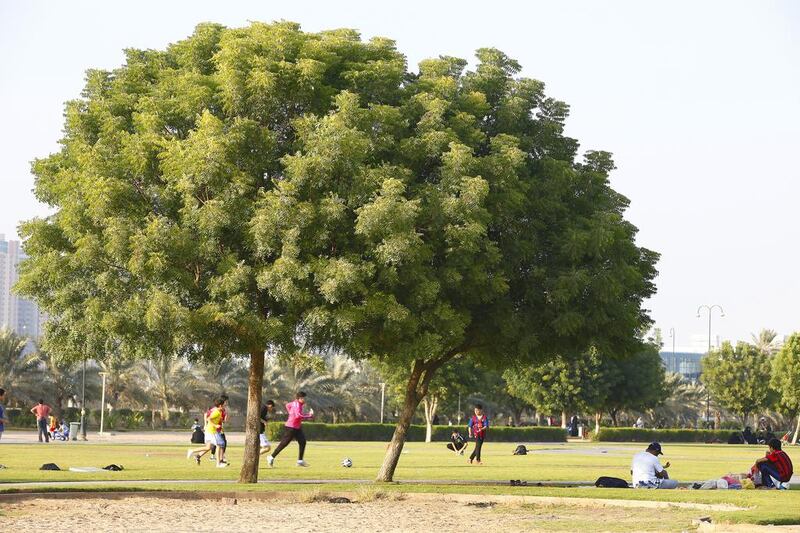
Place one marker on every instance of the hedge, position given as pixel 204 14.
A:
pixel 662 435
pixel 383 432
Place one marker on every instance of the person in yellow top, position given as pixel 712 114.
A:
pixel 213 436
pixel 53 426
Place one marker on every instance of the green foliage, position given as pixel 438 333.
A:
pixel 786 375
pixel 634 382
pixel 19 372
pixel 383 432
pixel 562 384
pixel 738 378
pixel 661 435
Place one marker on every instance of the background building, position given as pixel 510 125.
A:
pixel 16 313
pixel 686 364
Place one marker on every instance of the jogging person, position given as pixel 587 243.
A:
pixel 775 465
pixel 293 429
pixel 477 426
pixel 266 411
pixel 42 412
pixel 213 436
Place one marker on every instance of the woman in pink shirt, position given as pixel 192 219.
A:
pixel 42 411
pixel 293 429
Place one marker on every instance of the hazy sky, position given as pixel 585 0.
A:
pixel 698 101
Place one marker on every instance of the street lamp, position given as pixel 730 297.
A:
pixel 103 401
pixel 710 310
pixel 83 401
pixel 383 396
pixel 672 335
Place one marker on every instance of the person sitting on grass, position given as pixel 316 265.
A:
pixel 776 464
pixel 647 472
pixel 458 444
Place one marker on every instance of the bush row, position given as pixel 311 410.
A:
pixel 662 435
pixel 115 420
pixel 383 432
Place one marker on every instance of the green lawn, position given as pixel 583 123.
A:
pixel 427 463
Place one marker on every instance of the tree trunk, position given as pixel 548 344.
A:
pixel 429 405
pixel 613 414
pixel 564 419
pixel 410 403
pixel 597 417
pixel 255 381
pixel 796 430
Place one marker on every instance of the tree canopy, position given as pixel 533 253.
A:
pixel 738 378
pixel 264 186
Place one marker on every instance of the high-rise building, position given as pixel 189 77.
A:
pixel 16 313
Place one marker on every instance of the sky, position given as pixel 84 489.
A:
pixel 698 101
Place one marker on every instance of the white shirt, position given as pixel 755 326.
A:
pixel 644 468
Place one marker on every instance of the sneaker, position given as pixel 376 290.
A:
pixel 270 460
pixel 189 454
pixel 197 459
pixel 470 460
pixel 302 463
pixel 222 465
pixel 212 458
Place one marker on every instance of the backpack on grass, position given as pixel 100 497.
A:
pixel 521 450
pixel 49 466
pixel 611 483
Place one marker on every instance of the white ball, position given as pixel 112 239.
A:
pixel 346 462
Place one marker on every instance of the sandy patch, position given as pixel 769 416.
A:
pixel 313 511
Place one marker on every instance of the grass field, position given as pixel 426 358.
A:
pixel 426 463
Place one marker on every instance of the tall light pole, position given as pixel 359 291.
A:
pixel 83 402
pixel 103 401
pixel 672 334
pixel 383 396
pixel 459 408
pixel 710 310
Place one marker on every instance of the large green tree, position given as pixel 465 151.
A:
pixel 251 188
pixel 786 377
pixel 738 378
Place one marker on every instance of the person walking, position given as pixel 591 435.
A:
pixel 293 429
pixel 477 426
pixel 42 412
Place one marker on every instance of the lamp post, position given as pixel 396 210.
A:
pixel 83 401
pixel 383 397
pixel 459 408
pixel 672 335
pixel 103 401
pixel 710 310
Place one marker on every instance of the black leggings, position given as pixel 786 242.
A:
pixel 288 435
pixel 452 447
pixel 476 453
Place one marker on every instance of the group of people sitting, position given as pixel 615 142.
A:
pixel 770 471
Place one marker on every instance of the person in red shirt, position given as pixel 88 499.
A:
pixel 42 412
pixel 477 425
pixel 293 429
pixel 776 464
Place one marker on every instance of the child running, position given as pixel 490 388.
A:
pixel 293 429
pixel 213 436
pixel 478 424
pixel 266 410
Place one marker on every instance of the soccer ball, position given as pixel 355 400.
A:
pixel 346 462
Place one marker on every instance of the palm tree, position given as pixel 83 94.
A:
pixel 765 342
pixel 228 376
pixel 684 406
pixel 123 381
pixel 353 390
pixel 19 372
pixel 168 381
pixel 62 378
pixel 282 379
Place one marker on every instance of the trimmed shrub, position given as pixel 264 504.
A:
pixel 383 432
pixel 662 435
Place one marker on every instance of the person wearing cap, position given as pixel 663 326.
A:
pixel 647 471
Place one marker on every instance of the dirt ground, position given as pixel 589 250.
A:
pixel 315 512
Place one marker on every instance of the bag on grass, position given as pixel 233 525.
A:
pixel 521 450
pixel 611 483
pixel 49 466
pixel 113 468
